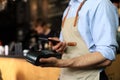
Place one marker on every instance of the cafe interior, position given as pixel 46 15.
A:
pixel 18 36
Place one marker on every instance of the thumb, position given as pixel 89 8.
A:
pixel 48 60
pixel 44 60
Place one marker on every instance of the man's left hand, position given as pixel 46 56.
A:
pixel 50 62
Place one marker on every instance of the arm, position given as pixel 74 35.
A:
pixel 87 61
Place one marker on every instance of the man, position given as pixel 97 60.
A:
pixel 90 26
pixel 42 29
pixel 38 26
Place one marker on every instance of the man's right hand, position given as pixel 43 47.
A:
pixel 59 47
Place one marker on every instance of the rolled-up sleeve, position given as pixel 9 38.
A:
pixel 104 28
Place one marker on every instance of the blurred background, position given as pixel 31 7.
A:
pixel 19 21
pixel 20 14
pixel 17 17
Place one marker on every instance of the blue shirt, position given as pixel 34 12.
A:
pixel 97 24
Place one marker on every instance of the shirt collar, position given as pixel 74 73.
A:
pixel 72 1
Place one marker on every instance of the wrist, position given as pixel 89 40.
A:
pixel 59 63
pixel 64 63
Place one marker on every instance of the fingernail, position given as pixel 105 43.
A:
pixel 40 60
pixel 49 38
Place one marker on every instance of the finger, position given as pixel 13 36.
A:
pixel 57 46
pixel 54 38
pixel 48 60
pixel 44 60
pixel 62 48
pixel 54 41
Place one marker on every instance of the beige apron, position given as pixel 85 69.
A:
pixel 70 33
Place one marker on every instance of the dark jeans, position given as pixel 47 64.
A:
pixel 103 76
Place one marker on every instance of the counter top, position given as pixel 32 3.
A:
pixel 20 69
pixel 12 56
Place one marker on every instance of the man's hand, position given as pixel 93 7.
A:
pixel 50 62
pixel 59 47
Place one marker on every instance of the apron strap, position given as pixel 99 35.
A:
pixel 76 17
pixel 63 21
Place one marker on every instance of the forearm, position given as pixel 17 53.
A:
pixel 87 61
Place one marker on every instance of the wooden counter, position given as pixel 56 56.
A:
pixel 16 68
pixel 20 69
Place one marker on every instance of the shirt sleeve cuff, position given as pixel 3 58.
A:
pixel 107 52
